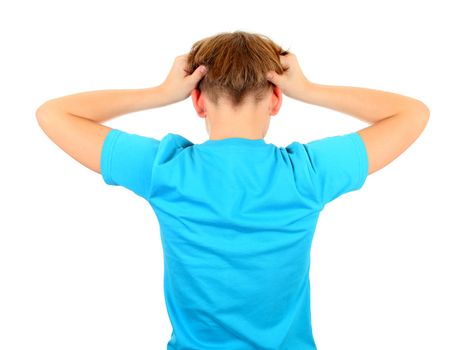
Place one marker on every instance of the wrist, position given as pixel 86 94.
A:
pixel 309 92
pixel 312 91
pixel 158 96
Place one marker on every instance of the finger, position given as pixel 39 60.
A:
pixel 284 61
pixel 199 73
pixel 273 77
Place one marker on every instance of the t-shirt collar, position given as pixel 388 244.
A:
pixel 238 141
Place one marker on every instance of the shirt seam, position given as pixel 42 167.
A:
pixel 235 145
pixel 151 186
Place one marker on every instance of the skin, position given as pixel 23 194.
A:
pixel 74 122
pixel 250 120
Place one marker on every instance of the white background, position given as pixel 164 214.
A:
pixel 81 264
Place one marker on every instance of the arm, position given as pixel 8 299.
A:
pixel 396 120
pixel 73 122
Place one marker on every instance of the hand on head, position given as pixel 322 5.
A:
pixel 292 82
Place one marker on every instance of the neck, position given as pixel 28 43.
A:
pixel 222 135
pixel 252 127
pixel 248 122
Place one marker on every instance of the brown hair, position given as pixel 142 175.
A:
pixel 237 64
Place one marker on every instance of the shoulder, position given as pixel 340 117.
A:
pixel 177 140
pixel 171 145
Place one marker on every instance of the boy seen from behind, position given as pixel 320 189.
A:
pixel 236 214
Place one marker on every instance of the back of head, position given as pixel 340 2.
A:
pixel 237 64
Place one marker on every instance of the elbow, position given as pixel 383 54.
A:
pixel 422 115
pixel 421 110
pixel 425 111
pixel 417 115
pixel 43 115
pixel 42 111
pixel 417 112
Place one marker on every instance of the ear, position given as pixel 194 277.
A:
pixel 199 103
pixel 276 100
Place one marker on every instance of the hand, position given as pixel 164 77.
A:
pixel 292 82
pixel 179 83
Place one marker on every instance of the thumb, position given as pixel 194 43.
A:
pixel 273 77
pixel 199 73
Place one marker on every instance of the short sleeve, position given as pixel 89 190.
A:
pixel 337 164
pixel 127 160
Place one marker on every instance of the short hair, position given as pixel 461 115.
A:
pixel 237 64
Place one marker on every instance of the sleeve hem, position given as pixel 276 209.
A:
pixel 106 157
pixel 362 159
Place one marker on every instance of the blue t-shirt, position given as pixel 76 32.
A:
pixel 237 218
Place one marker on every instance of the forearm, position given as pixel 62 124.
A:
pixel 369 105
pixel 102 105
